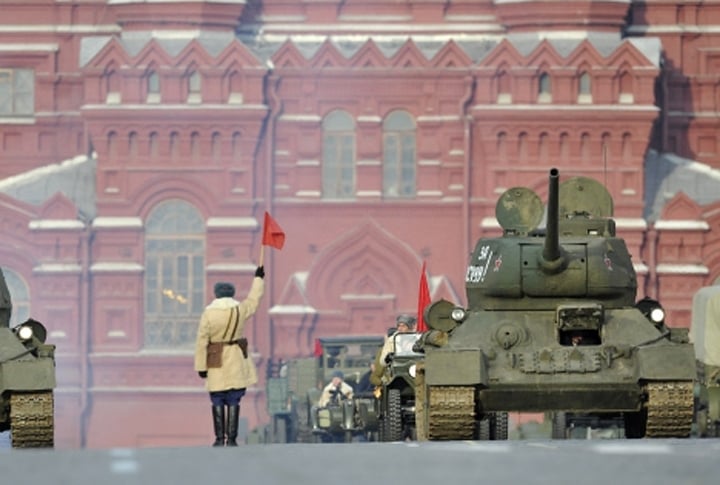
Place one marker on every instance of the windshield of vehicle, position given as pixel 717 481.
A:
pixel 404 343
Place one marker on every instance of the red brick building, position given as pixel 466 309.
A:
pixel 141 141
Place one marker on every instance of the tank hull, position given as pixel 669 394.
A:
pixel 508 361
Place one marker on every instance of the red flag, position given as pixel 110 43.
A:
pixel 423 301
pixel 317 350
pixel 273 234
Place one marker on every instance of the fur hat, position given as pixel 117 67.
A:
pixel 405 319
pixel 223 290
pixel 338 373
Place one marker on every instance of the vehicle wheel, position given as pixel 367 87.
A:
pixel 392 421
pixel 499 426
pixel 559 425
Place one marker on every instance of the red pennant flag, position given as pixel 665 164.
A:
pixel 423 301
pixel 273 234
pixel 317 350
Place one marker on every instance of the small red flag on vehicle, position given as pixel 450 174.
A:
pixel 273 234
pixel 423 301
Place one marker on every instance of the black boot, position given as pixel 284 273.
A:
pixel 219 425
pixel 232 428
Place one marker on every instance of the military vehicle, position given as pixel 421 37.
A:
pixel 293 388
pixel 396 401
pixel 705 334
pixel 552 325
pixel 345 420
pixel 27 379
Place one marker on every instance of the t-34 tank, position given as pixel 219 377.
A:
pixel 552 325
pixel 27 379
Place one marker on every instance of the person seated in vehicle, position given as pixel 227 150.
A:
pixel 364 384
pixel 403 324
pixel 336 391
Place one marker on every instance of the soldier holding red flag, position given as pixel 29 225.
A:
pixel 221 352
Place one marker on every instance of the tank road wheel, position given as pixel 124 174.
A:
pixel 31 420
pixel 559 425
pixel 450 412
pixel 499 428
pixel 392 421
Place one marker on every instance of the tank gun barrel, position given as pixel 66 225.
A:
pixel 552 255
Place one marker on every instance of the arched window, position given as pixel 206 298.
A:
pixel 112 86
pixel 564 147
pixel 216 147
pixel 522 147
pixel 20 296
pixel 133 146
pixel 585 147
pixel 236 147
pixel 504 94
pixel 235 87
pixel 584 88
pixel 112 148
pixel 153 87
pixel 194 87
pixel 605 148
pixel 174 275
pixel 338 172
pixel 174 146
pixel 626 147
pixel 502 146
pixel 154 149
pixel 544 148
pixel 195 148
pixel 399 155
pixel 626 88
pixel 544 88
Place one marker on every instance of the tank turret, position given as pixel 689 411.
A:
pixel 576 255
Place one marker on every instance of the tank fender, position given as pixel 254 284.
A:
pixel 456 367
pixel 666 362
pixel 28 375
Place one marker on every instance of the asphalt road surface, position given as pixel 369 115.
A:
pixel 606 462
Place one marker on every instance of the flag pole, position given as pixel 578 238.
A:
pixel 262 254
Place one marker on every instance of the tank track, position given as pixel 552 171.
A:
pixel 670 408
pixel 450 413
pixel 32 420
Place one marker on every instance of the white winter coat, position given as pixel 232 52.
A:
pixel 236 372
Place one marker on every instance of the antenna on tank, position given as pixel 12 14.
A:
pixel 605 167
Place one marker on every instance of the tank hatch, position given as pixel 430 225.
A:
pixel 585 208
pixel 519 210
